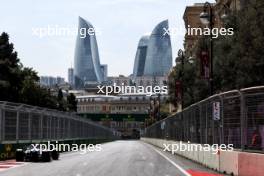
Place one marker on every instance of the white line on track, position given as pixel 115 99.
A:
pixel 173 163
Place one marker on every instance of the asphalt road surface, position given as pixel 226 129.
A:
pixel 119 158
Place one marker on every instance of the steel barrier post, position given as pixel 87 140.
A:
pixel 41 126
pixel 221 125
pixel 17 126
pixel 206 124
pixel 243 120
pixel 29 126
pixel 200 129
pixel 1 127
pixel 49 126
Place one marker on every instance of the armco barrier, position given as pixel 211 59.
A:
pixel 232 162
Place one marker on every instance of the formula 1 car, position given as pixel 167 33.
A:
pixel 31 153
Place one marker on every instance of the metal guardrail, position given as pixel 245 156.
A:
pixel 24 123
pixel 235 117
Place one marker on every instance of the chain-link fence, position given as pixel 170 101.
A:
pixel 24 123
pixel 235 117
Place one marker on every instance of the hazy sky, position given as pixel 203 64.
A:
pixel 121 23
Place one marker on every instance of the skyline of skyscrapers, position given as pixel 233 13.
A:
pixel 49 81
pixel 153 56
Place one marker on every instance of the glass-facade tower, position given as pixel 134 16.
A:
pixel 140 58
pixel 159 52
pixel 87 68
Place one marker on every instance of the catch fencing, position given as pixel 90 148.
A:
pixel 24 123
pixel 234 117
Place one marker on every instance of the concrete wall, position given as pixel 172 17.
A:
pixel 230 162
pixel 204 157
pixel 250 164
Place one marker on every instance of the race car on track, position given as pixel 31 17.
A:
pixel 33 153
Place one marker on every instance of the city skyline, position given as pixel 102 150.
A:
pixel 121 23
pixel 155 88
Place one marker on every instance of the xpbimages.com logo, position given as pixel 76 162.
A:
pixel 82 148
pixel 191 31
pixel 148 90
pixel 62 31
pixel 190 147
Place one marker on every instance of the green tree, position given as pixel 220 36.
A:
pixel 62 104
pixel 10 81
pixel 72 102
pixel 238 59
pixel 21 84
pixel 60 95
pixel 32 93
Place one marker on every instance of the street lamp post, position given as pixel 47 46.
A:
pixel 180 60
pixel 206 18
pixel 159 116
pixel 151 104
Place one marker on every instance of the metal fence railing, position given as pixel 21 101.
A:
pixel 24 123
pixel 235 117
